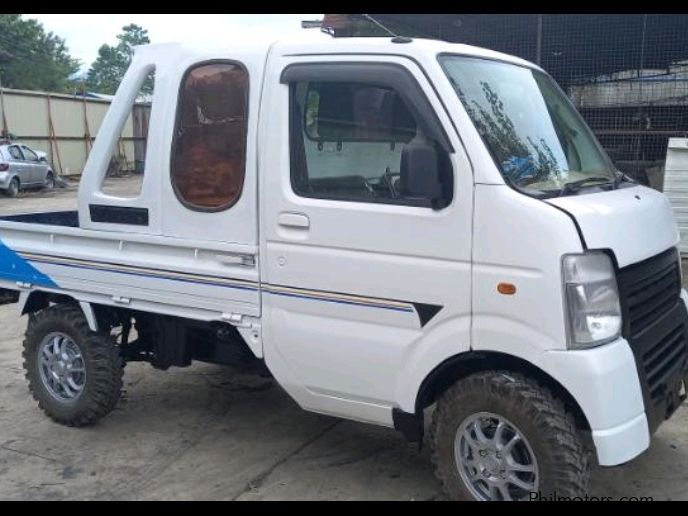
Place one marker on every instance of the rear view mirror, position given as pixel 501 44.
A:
pixel 420 173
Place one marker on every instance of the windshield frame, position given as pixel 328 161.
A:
pixel 444 56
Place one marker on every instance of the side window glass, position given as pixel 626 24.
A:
pixel 360 142
pixel 126 169
pixel 357 113
pixel 209 147
pixel 16 153
pixel 29 155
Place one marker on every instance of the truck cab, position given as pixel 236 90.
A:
pixel 395 230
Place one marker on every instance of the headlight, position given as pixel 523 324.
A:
pixel 592 299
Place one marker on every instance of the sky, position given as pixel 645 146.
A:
pixel 85 33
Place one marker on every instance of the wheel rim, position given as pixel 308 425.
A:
pixel 14 188
pixel 494 458
pixel 61 367
pixel 50 182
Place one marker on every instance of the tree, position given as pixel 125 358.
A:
pixel 32 59
pixel 112 62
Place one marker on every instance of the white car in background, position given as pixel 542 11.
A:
pixel 22 167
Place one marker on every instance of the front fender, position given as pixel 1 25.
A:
pixel 452 337
pixel 449 338
pixel 603 380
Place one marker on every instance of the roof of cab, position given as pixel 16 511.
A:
pixel 310 44
pixel 369 45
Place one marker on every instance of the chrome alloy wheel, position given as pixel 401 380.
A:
pixel 494 458
pixel 61 367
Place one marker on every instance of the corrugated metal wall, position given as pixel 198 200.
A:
pixel 65 126
pixel 676 185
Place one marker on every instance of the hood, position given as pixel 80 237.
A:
pixel 635 222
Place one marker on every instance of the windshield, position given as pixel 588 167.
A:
pixel 539 141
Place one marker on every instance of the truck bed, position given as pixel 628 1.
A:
pixel 201 280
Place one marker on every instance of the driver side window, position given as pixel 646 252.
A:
pixel 347 140
pixel 29 155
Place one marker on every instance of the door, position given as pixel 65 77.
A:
pixel 20 165
pixel 35 167
pixel 359 266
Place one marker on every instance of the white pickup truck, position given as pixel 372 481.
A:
pixel 385 226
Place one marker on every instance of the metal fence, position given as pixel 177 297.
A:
pixel 64 126
pixel 626 73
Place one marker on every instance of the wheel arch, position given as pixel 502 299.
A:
pixel 39 299
pixel 15 175
pixel 462 365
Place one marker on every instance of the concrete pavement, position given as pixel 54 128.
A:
pixel 211 433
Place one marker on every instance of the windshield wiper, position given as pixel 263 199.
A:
pixel 620 178
pixel 575 186
pixel 539 194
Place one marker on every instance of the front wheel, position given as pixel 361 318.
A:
pixel 75 374
pixel 49 183
pixel 498 435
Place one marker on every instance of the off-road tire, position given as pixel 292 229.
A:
pixel 102 360
pixel 562 457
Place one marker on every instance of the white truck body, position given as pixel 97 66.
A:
pixel 351 305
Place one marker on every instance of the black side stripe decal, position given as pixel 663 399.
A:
pixel 119 214
pixel 426 312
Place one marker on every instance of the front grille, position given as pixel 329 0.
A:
pixel 649 289
pixel 656 327
pixel 663 359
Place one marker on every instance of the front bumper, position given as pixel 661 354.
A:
pixel 623 442
pixel 605 383
pixel 610 383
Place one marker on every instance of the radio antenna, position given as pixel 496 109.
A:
pixel 370 18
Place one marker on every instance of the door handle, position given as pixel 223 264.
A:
pixel 294 220
pixel 236 259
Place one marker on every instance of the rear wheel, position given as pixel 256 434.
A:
pixel 13 188
pixel 498 435
pixel 75 374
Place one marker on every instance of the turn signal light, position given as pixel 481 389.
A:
pixel 508 289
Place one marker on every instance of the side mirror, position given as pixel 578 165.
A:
pixel 420 174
